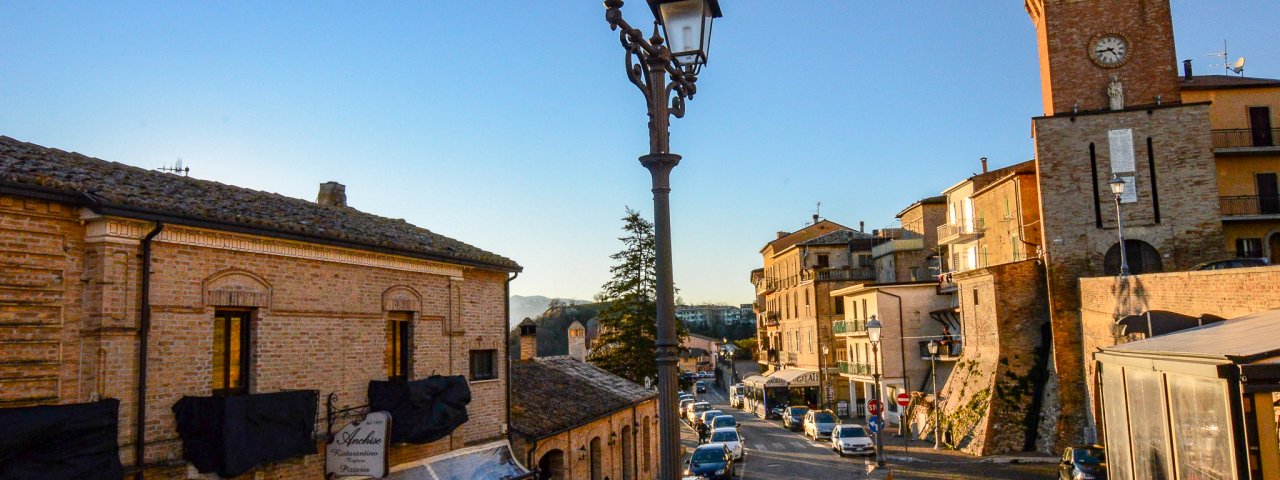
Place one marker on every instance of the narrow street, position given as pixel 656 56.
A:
pixel 773 452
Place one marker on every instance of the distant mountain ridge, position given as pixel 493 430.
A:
pixel 530 307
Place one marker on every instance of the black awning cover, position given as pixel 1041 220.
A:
pixel 422 411
pixel 61 442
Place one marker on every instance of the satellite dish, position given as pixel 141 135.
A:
pixel 1238 67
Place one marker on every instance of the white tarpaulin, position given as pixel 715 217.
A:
pixel 491 461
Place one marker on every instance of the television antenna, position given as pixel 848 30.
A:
pixel 1228 68
pixel 176 168
pixel 817 213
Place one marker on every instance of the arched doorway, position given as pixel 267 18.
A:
pixel 628 453
pixel 1274 244
pixel 1142 257
pixel 596 459
pixel 551 465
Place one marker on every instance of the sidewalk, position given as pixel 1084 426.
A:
pixel 922 451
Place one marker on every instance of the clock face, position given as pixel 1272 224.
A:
pixel 1110 50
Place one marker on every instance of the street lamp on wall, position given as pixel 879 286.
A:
pixel 1117 189
pixel 665 69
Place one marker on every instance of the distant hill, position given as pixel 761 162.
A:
pixel 531 307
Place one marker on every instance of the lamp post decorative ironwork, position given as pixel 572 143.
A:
pixel 937 413
pixel 873 334
pixel 666 71
pixel 1117 188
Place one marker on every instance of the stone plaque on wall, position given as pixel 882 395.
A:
pixel 1120 148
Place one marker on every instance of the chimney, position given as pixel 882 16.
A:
pixel 862 226
pixel 984 164
pixel 815 219
pixel 577 341
pixel 783 234
pixel 332 194
pixel 1186 69
pixel 528 339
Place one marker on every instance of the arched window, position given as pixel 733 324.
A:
pixel 596 459
pixel 551 465
pixel 644 444
pixel 628 453
pixel 1142 258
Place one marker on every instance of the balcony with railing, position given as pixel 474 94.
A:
pixel 961 230
pixel 1246 140
pixel 948 351
pixel 771 318
pixel 912 243
pixel 838 274
pixel 1250 207
pixel 849 327
pixel 853 368
pixel 791 358
pixel 771 356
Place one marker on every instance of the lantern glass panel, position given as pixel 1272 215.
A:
pixel 683 22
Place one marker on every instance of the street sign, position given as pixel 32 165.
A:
pixel 873 407
pixel 875 424
pixel 903 399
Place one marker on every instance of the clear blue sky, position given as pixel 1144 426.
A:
pixel 511 126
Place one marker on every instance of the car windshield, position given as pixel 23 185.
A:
pixel 823 417
pixel 710 414
pixel 852 432
pixel 701 407
pixel 797 411
pixel 708 455
pixel 1090 456
pixel 724 436
pixel 724 420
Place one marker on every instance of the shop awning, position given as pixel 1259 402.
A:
pixel 489 461
pixel 761 381
pixel 797 378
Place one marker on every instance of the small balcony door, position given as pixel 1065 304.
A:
pixel 1268 193
pixel 1260 126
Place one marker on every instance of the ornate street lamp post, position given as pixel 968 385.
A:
pixel 1117 189
pixel 873 335
pixel 937 413
pixel 665 69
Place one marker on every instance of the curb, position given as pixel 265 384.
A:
pixel 993 459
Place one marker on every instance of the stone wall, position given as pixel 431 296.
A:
pixel 575 445
pixel 319 321
pixel 987 399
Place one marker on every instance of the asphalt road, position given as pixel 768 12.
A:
pixel 775 453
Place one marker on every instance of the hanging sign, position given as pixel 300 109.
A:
pixel 360 448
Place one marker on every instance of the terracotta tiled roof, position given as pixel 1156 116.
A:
pixel 1214 82
pixel 117 189
pixel 551 394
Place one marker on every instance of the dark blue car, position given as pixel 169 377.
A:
pixel 712 461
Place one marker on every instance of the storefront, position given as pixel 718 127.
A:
pixel 1199 403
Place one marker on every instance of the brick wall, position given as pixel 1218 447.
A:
pixel 575 445
pixel 1189 230
pixel 319 321
pixel 986 399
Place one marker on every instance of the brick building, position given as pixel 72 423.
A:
pixel 575 421
pixel 1113 107
pixel 230 291
pixel 910 253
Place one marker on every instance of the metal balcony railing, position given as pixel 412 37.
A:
pixel 1245 138
pixel 962 227
pixel 852 368
pixel 1250 205
pixel 838 274
pixel 847 327
pixel 792 358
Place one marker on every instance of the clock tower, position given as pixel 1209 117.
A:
pixel 1084 43
pixel 1109 79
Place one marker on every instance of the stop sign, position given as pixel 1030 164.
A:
pixel 873 407
pixel 903 399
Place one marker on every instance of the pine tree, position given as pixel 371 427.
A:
pixel 628 324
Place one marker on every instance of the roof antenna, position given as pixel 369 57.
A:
pixel 176 168
pixel 817 213
pixel 1226 67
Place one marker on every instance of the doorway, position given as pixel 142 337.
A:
pixel 1260 126
pixel 1268 193
pixel 1273 243
pixel 551 466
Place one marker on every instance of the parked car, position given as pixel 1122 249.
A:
pixel 684 405
pixel 819 423
pixel 729 437
pixel 723 421
pixel 1087 462
pixel 686 396
pixel 1233 263
pixel 712 461
pixel 706 416
pixel 700 387
pixel 706 374
pixel 793 417
pixel 694 409
pixel 775 412
pixel 852 439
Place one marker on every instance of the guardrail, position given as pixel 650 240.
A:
pixel 1245 138
pixel 1249 205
